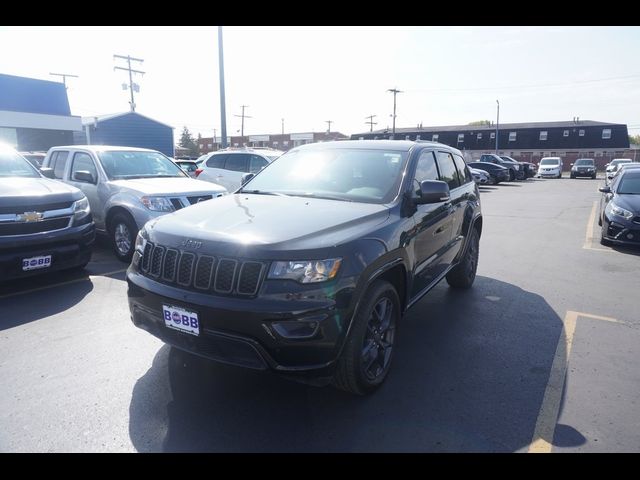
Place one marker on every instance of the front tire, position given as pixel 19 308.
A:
pixel 122 232
pixel 603 240
pixel 463 274
pixel 366 357
pixel 512 175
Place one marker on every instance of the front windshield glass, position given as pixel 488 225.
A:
pixel 630 184
pixel 350 174
pixel 549 161
pixel 618 162
pixel 131 164
pixel 584 162
pixel 13 165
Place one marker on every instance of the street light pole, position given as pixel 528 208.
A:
pixel 395 91
pixel 223 113
pixel 497 125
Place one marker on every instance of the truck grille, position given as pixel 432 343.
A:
pixel 224 276
pixel 19 228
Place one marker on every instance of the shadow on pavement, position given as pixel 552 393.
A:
pixel 469 374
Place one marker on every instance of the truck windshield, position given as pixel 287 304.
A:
pixel 120 165
pixel 13 165
pixel 348 174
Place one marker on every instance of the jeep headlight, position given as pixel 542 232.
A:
pixel 306 271
pixel 158 204
pixel 141 241
pixel 621 212
pixel 81 209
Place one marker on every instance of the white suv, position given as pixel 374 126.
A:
pixel 226 167
pixel 550 167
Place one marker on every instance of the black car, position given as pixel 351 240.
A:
pixel 307 269
pixel 45 225
pixel 520 168
pixel 620 209
pixel 583 167
pixel 497 173
pixel 496 160
pixel 530 169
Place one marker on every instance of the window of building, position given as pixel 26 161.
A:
pixel 375 137
pixel 435 137
pixel 512 136
pixel 285 142
pixel 390 137
pixel 275 142
pixel 210 145
pixel 581 133
pixel 406 137
pixel 235 144
pixel 361 138
pixel 543 135
pixel 202 145
pixel 460 137
pixel 565 133
pixel 492 135
pixel 606 133
pixel 417 137
pixel 479 136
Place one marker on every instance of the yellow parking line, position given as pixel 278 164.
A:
pixel 588 237
pixel 550 408
pixel 68 282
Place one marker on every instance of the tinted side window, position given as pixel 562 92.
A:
pixel 448 172
pixel 257 163
pixel 83 162
pixel 237 162
pixel 216 161
pixel 426 169
pixel 464 175
pixel 61 162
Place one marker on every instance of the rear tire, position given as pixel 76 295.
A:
pixel 367 354
pixel 122 233
pixel 463 274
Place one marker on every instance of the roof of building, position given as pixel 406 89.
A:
pixel 101 118
pixel 503 126
pixel 30 95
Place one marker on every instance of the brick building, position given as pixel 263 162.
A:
pixel 278 141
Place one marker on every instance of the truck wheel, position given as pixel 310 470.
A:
pixel 122 232
pixel 368 351
pixel 463 274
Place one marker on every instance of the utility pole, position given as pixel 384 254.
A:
pixel 371 122
pixel 395 91
pixel 328 122
pixel 64 77
pixel 497 125
pixel 215 139
pixel 223 110
pixel 132 86
pixel 243 117
pixel 283 126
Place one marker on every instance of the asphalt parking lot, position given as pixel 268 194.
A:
pixel 539 356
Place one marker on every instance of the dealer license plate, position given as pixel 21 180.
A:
pixel 33 263
pixel 178 318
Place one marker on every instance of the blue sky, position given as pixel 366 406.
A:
pixel 306 75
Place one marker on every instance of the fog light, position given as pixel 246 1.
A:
pixel 630 236
pixel 298 329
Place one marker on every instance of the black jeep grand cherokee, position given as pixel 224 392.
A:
pixel 308 268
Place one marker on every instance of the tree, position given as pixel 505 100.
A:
pixel 187 141
pixel 634 139
pixel 480 123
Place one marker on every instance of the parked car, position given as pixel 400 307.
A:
pixel 45 226
pixel 612 168
pixel 520 174
pixel 226 167
pixel 365 229
pixel 550 167
pixel 496 172
pixel 35 158
pixel 189 166
pixel 620 209
pixel 126 187
pixel 496 160
pixel 530 169
pixel 480 176
pixel 583 167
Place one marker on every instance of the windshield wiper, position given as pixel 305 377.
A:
pixel 263 192
pixel 323 196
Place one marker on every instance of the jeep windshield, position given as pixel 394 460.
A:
pixel 120 164
pixel 347 174
pixel 13 165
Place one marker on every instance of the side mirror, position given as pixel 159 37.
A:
pixel 605 189
pixel 433 191
pixel 246 177
pixel 47 172
pixel 84 176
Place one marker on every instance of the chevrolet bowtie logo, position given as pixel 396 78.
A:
pixel 29 217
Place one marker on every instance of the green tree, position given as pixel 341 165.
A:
pixel 187 141
pixel 480 123
pixel 634 139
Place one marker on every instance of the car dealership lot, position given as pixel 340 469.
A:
pixel 481 370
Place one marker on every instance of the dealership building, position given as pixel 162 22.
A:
pixel 527 142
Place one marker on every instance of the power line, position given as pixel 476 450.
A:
pixel 243 117
pixel 132 86
pixel 371 123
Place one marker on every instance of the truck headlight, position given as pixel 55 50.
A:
pixel 158 204
pixel 306 271
pixel 81 209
